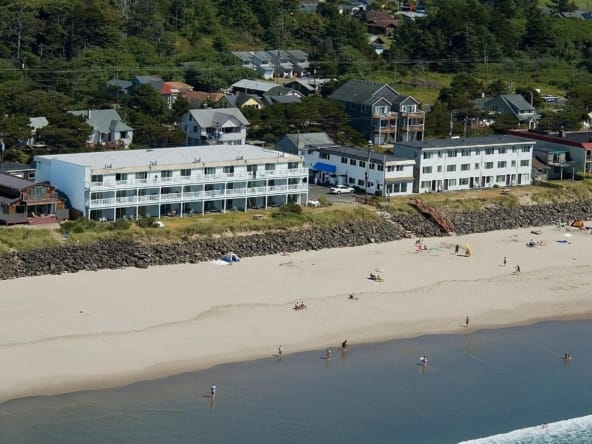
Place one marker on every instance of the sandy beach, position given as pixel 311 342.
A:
pixel 101 329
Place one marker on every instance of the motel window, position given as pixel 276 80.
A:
pixel 465 167
pixel 360 182
pixel 372 166
pixel 399 168
pixel 310 151
pixel 502 164
pixel 439 168
pixel 452 182
pixel 525 178
pixel 502 150
pixel 404 187
pixel 271 166
pixel 525 163
pixel 121 177
pixel 477 152
pixel 209 171
pixel 380 167
pixel 500 179
pixel 426 170
pixel 513 163
pixel 463 181
pixel 362 164
pixel 452 153
pixel 488 151
pixel 488 165
pixel 514 149
pixel 166 173
pixel 344 160
pixel 96 178
pixel 466 152
pixel 293 165
pixel 228 169
pixel 526 149
pixel 351 181
pixel 186 172
pixel 450 168
pixel 425 184
pixel 476 165
pixel 142 175
pixel 352 162
pixel 324 156
pixel 390 168
pixel 427 155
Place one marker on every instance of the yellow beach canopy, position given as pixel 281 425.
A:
pixel 467 250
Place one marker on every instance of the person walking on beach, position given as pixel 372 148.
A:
pixel 456 249
pixel 344 345
pixel 280 351
pixel 467 320
pixel 213 390
pixel 505 261
pixel 328 353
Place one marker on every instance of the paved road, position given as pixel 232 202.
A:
pixel 316 191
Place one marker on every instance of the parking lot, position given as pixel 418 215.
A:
pixel 316 191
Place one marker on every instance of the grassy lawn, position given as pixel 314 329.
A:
pixel 214 225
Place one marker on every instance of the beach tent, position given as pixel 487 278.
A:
pixel 230 257
pixel 467 250
pixel 577 223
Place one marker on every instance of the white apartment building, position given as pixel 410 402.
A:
pixel 362 168
pixel 175 181
pixel 459 164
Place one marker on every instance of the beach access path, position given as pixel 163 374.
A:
pixel 101 329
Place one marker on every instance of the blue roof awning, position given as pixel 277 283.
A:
pixel 320 166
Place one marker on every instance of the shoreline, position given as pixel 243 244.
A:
pixel 93 330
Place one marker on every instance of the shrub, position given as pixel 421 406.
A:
pixel 290 209
pixel 147 222
pixel 122 224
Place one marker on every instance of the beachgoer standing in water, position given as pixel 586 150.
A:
pixel 328 353
pixel 213 391
pixel 280 351
pixel 344 345
pixel 467 320
pixel 423 360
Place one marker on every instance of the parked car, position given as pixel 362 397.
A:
pixel 550 98
pixel 341 189
pixel 313 203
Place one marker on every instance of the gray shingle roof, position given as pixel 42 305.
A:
pixel 103 120
pixel 208 118
pixel 13 182
pixel 363 92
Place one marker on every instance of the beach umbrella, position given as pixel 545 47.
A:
pixel 467 250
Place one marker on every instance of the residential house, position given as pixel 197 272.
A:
pixel 369 171
pixel 381 22
pixel 154 81
pixel 275 62
pixel 123 86
pixel 306 86
pixel 26 202
pixel 108 128
pixel 204 99
pixel 243 101
pixel 21 170
pixel 512 104
pixel 215 126
pixel 380 113
pixel 170 91
pixel 295 143
pixel 281 94
pixel 459 164
pixel 252 87
pixel 36 123
pixel 577 143
pixel 554 160
pixel 178 181
pixel 377 44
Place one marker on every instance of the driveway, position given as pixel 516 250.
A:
pixel 316 191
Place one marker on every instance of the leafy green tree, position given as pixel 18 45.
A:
pixel 15 130
pixel 145 99
pixel 437 122
pixel 65 133
pixel 150 133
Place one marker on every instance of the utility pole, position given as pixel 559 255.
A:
pixel 370 143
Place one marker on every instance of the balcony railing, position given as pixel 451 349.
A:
pixel 196 195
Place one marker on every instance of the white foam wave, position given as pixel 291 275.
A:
pixel 574 430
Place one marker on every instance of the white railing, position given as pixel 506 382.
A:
pixel 102 202
pixel 170 196
pixel 197 178
pixel 127 199
pixel 235 191
pixel 149 198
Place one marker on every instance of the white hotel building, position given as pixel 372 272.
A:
pixel 175 181
pixel 477 162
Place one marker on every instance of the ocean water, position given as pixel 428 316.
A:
pixel 490 386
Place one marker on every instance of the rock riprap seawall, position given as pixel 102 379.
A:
pixel 112 254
